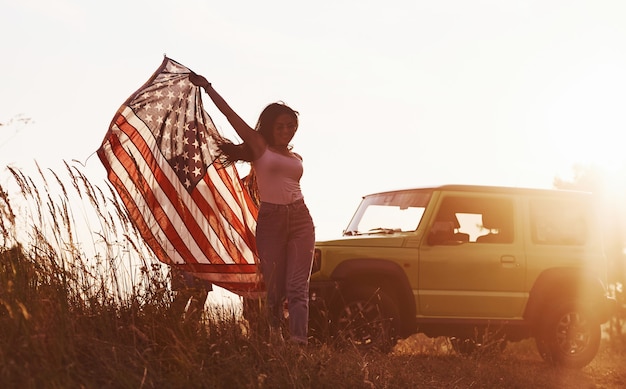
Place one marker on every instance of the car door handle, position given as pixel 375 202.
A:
pixel 507 259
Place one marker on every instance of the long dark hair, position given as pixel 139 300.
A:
pixel 265 126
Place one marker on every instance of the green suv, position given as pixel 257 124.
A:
pixel 480 265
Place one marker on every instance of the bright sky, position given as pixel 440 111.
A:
pixel 394 94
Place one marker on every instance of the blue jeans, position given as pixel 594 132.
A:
pixel 285 239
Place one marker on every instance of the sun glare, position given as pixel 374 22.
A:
pixel 594 150
pixel 607 163
pixel 582 118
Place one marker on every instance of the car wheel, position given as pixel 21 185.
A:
pixel 569 336
pixel 367 319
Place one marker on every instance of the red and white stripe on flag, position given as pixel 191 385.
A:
pixel 160 153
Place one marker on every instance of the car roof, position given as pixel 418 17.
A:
pixel 489 189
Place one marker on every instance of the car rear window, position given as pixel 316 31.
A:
pixel 559 221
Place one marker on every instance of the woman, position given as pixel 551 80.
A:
pixel 285 234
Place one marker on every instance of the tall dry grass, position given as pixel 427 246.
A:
pixel 84 304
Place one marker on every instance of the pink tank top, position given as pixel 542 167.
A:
pixel 278 177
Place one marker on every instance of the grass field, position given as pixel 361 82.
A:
pixel 69 319
pixel 53 339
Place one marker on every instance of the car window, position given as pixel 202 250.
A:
pixel 381 217
pixel 473 220
pixel 558 221
pixel 389 213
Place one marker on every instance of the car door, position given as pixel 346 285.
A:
pixel 472 263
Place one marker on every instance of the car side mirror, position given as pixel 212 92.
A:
pixel 440 233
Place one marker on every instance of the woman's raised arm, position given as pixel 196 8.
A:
pixel 248 134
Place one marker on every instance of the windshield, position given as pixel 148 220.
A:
pixel 390 212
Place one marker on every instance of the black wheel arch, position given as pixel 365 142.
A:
pixel 557 285
pixel 386 275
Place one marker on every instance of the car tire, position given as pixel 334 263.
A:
pixel 367 319
pixel 569 336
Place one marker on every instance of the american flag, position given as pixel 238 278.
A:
pixel 160 153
